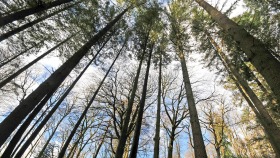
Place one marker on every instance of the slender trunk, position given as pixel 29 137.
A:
pixel 199 147
pixel 16 138
pixel 24 13
pixel 273 132
pixel 258 54
pixel 63 150
pixel 171 142
pixel 157 136
pixel 45 120
pixel 30 24
pixel 50 138
pixel 11 77
pixel 137 131
pixel 124 130
pixel 218 152
pixel 3 63
pixel 100 144
pixel 9 124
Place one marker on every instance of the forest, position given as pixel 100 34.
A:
pixel 140 78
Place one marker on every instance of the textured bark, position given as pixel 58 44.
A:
pixel 258 54
pixel 9 124
pixel 30 24
pixel 137 131
pixel 125 129
pixel 46 119
pixel 270 127
pixel 8 79
pixel 24 13
pixel 66 144
pixel 199 147
pixel 157 135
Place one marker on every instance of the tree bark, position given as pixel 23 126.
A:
pixel 171 142
pixel 30 24
pixel 9 124
pixel 24 13
pixel 199 147
pixel 45 120
pixel 270 127
pixel 137 131
pixel 157 135
pixel 258 54
pixel 63 150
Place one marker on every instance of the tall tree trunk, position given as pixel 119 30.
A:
pixel 199 148
pixel 258 54
pixel 30 24
pixel 50 138
pixel 273 132
pixel 9 124
pixel 157 133
pixel 63 150
pixel 24 13
pixel 16 138
pixel 137 131
pixel 45 120
pixel 8 79
pixel 124 130
pixel 30 130
pixel 171 142
pixel 100 144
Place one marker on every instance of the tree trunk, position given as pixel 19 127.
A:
pixel 45 120
pixel 24 13
pixel 8 79
pixel 258 54
pixel 124 130
pixel 157 135
pixel 16 138
pixel 30 24
pixel 10 123
pixel 199 148
pixel 273 132
pixel 63 150
pixel 218 152
pixel 171 142
pixel 50 137
pixel 134 148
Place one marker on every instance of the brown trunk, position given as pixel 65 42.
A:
pixel 258 54
pixel 10 123
pixel 157 136
pixel 269 125
pixel 24 13
pixel 137 131
pixel 198 143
